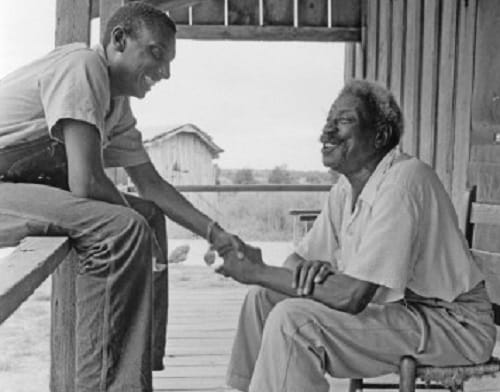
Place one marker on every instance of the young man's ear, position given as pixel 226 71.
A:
pixel 118 38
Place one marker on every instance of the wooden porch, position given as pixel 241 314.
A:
pixel 203 314
pixel 202 323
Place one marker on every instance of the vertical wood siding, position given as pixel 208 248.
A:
pixel 423 51
pixel 484 166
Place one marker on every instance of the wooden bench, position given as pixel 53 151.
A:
pixel 21 273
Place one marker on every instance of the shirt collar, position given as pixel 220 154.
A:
pixel 101 52
pixel 369 192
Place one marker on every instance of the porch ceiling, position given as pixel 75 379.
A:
pixel 267 20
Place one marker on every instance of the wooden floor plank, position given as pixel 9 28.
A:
pixel 202 325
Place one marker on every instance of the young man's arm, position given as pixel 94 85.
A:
pixel 86 174
pixel 152 186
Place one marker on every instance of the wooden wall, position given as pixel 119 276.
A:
pixel 423 50
pixel 484 165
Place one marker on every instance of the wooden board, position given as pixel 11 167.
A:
pixel 106 9
pixel 372 39
pixel 346 13
pixel 384 42
pixel 180 15
pixel 313 13
pixel 398 49
pixel 412 75
pixel 73 21
pixel 446 95
pixel 349 61
pixel 243 12
pixel 278 12
pixel 464 86
pixel 26 268
pixel 62 325
pixel 210 12
pixel 430 81
pixel 269 33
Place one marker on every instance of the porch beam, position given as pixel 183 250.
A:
pixel 269 33
pixel 161 4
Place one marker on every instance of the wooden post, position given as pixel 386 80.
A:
pixel 72 25
pixel 63 322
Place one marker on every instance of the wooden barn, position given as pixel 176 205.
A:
pixel 441 58
pixel 184 155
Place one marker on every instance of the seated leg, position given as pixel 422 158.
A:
pixel 156 220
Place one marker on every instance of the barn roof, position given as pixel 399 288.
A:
pixel 187 128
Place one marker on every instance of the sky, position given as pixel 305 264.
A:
pixel 263 103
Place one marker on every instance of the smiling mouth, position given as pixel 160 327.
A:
pixel 331 145
pixel 149 82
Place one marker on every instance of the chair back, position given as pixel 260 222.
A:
pixel 488 214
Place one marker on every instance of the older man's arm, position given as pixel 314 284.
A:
pixel 340 292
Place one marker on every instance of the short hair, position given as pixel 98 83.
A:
pixel 381 107
pixel 135 15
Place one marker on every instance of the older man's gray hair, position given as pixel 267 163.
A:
pixel 382 110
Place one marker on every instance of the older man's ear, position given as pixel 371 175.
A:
pixel 382 138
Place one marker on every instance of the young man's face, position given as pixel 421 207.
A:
pixel 142 61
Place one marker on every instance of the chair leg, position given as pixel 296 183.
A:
pixel 458 388
pixel 356 385
pixel 407 374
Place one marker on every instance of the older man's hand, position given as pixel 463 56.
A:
pixel 242 269
pixel 308 273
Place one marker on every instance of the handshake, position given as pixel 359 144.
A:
pixel 241 261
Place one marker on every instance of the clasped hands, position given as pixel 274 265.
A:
pixel 244 263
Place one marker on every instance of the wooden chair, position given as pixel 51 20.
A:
pixel 454 377
pixel 302 217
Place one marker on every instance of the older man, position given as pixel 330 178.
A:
pixel 63 118
pixel 403 283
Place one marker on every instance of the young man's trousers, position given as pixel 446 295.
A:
pixel 114 282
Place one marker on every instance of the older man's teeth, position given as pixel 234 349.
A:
pixel 149 81
pixel 330 145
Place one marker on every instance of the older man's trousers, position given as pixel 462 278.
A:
pixel 289 344
pixel 114 281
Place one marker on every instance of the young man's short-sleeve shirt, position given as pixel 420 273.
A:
pixel 401 234
pixel 71 82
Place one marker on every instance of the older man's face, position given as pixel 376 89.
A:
pixel 347 145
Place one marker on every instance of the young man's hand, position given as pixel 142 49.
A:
pixel 242 269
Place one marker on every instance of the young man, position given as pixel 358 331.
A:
pixel 63 118
pixel 383 273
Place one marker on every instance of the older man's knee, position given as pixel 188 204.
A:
pixel 284 317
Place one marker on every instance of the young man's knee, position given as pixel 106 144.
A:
pixel 130 223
